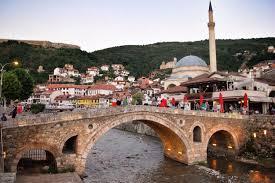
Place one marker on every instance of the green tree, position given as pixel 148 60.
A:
pixel 137 98
pixel 77 80
pixel 11 86
pixel 26 81
pixel 110 73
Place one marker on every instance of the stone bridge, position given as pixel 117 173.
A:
pixel 185 135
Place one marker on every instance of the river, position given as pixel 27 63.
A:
pixel 125 157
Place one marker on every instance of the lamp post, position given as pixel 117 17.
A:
pixel 1 129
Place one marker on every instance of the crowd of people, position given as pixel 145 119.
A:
pixel 18 108
pixel 15 109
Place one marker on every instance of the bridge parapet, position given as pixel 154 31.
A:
pixel 77 114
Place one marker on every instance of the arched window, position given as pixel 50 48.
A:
pixel 70 146
pixel 197 134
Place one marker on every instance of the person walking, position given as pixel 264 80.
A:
pixel 14 112
pixel 3 118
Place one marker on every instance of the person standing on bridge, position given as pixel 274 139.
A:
pixel 14 111
pixel 3 118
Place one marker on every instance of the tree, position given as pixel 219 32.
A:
pixel 77 80
pixel 111 73
pixel 137 98
pixel 11 86
pixel 26 81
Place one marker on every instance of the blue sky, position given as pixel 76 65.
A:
pixel 97 24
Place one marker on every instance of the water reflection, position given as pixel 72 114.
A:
pixel 256 174
pixel 258 177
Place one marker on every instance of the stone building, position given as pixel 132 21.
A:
pixel 40 69
pixel 168 65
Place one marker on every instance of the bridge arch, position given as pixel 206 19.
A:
pixel 64 140
pixel 226 128
pixel 39 146
pixel 175 143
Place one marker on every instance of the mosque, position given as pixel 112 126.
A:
pixel 192 66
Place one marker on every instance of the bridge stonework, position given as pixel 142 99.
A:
pixel 173 126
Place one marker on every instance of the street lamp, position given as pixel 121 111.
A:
pixel 15 63
pixel 3 154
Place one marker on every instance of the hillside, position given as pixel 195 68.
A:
pixel 44 44
pixel 139 60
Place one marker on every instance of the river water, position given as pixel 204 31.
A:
pixel 125 157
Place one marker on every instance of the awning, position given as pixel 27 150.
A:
pixel 261 99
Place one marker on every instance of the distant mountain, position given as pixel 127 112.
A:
pixel 139 60
pixel 44 44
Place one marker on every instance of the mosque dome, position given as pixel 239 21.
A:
pixel 191 61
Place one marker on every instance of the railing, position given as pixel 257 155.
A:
pixel 78 114
pixel 35 154
pixel 239 93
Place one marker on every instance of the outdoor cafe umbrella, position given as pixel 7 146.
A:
pixel 245 104
pixel 185 99
pixel 201 99
pixel 163 103
pixel 173 101
pixel 221 103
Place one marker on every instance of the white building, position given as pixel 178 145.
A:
pixel 69 89
pixel 105 67
pixel 124 73
pixel 63 100
pixel 60 72
pixel 119 78
pixel 271 49
pixel 73 72
pixel 93 71
pixel 131 79
pixel 117 67
pixel 86 79
pixel 100 89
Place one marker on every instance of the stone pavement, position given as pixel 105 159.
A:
pixel 49 178
pixel 7 177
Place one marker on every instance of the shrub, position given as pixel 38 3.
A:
pixel 37 108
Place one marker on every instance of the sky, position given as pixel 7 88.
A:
pixel 99 24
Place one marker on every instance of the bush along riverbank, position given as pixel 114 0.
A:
pixel 260 146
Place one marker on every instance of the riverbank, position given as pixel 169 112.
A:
pixel 266 163
pixel 49 178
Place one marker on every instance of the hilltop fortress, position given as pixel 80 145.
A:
pixel 44 44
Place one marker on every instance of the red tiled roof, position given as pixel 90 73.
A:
pixel 92 68
pixel 62 97
pixel 102 87
pixel 54 86
pixel 200 81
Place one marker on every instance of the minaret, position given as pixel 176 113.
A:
pixel 212 40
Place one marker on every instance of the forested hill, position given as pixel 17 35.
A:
pixel 139 60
